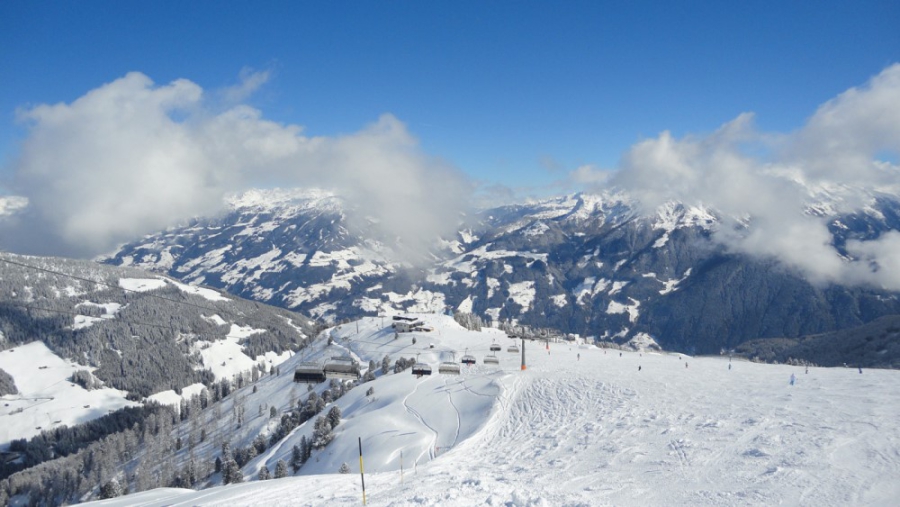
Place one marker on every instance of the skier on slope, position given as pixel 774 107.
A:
pixel 793 379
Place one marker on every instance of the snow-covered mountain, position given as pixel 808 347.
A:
pixel 79 340
pixel 592 264
pixel 580 426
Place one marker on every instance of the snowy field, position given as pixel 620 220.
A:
pixel 46 398
pixel 588 431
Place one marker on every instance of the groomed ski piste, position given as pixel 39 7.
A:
pixel 580 426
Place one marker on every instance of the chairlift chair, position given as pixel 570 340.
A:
pixel 420 368
pixel 491 359
pixel 467 359
pixel 344 368
pixel 513 348
pixel 449 367
pixel 495 347
pixel 309 373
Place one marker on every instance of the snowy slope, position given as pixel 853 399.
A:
pixel 46 398
pixel 588 431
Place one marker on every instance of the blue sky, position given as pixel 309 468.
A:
pixel 121 118
pixel 511 92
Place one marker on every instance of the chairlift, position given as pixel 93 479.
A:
pixel 491 359
pixel 495 347
pixel 467 359
pixel 420 368
pixel 513 348
pixel 309 373
pixel 341 367
pixel 449 367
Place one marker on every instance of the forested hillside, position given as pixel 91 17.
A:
pixel 141 341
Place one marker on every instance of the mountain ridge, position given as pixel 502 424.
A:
pixel 592 264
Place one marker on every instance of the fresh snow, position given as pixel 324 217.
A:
pixel 592 430
pixel 523 294
pixel 631 310
pixel 46 398
pixel 225 357
pixel 170 397
pixel 466 305
pixel 148 284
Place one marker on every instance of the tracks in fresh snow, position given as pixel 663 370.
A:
pixel 415 413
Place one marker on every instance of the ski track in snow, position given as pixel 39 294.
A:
pixel 418 416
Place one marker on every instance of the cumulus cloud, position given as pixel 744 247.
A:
pixel 763 183
pixel 132 157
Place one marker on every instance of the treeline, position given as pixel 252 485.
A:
pixel 7 384
pixel 77 476
pixel 872 345
pixel 469 321
pixel 64 440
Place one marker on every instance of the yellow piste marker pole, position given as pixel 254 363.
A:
pixel 361 474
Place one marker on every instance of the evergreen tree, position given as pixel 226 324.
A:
pixel 264 473
pixel 305 448
pixel 322 434
pixel 111 489
pixel 296 459
pixel 385 365
pixel 281 469
pixel 345 468
pixel 334 416
pixel 237 476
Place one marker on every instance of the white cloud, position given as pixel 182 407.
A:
pixel 251 81
pixel 768 180
pixel 131 157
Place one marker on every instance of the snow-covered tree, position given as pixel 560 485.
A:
pixel 281 469
pixel 322 434
pixel 334 416
pixel 345 468
pixel 231 472
pixel 264 473
pixel 111 489
pixel 385 365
